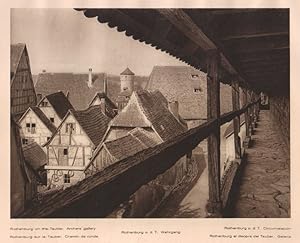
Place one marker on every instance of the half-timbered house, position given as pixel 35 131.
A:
pixel 22 92
pixel 35 126
pixel 55 106
pixel 70 148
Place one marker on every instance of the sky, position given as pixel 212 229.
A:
pixel 64 40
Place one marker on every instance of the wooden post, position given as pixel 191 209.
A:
pixel 252 113
pixel 213 142
pixel 47 154
pixel 236 120
pixel 247 140
pixel 257 107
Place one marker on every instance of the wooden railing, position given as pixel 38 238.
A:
pixel 100 194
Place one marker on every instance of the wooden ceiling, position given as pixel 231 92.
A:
pixel 254 43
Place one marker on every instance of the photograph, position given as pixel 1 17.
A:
pixel 149 113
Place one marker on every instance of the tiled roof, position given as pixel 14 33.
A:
pixel 109 104
pixel 34 155
pixel 60 103
pixel 93 122
pixel 127 71
pixel 130 144
pixel 80 95
pixel 131 116
pixel 177 83
pixel 16 51
pixel 43 118
pixel 154 107
pixel 147 138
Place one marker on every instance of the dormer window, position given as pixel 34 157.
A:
pixel 194 76
pixel 125 88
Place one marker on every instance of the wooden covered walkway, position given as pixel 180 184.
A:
pixel 265 179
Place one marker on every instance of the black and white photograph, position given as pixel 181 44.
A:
pixel 150 113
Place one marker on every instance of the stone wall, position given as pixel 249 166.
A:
pixel 280 110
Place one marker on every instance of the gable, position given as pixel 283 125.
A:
pixel 63 137
pixel 31 116
pixel 131 115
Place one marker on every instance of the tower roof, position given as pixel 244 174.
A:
pixel 127 71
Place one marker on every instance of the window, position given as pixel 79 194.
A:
pixel 24 141
pixel 195 76
pixel 70 127
pixel 197 90
pixel 65 151
pixel 32 127
pixel 28 127
pixel 44 103
pixel 67 178
pixel 52 119
pixel 125 88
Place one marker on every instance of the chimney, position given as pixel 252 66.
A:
pixel 102 105
pixel 105 84
pixel 173 107
pixel 90 81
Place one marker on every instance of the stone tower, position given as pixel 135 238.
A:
pixel 127 80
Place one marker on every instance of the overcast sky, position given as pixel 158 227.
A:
pixel 64 40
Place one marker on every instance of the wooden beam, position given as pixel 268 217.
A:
pixel 187 26
pixel 213 144
pixel 246 143
pixel 267 48
pixel 236 120
pixel 262 58
pixel 254 35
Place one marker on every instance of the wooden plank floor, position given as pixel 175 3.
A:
pixel 265 180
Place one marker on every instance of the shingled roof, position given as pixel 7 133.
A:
pixel 93 122
pixel 80 95
pixel 42 117
pixel 149 109
pixel 110 106
pixel 16 51
pixel 135 141
pixel 34 155
pixel 60 103
pixel 177 83
pixel 187 85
